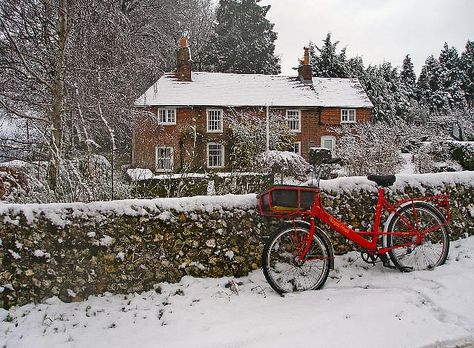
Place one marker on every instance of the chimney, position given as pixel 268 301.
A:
pixel 183 66
pixel 305 72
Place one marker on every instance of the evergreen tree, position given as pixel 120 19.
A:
pixel 451 78
pixel 428 86
pixel 440 85
pixel 383 86
pixel 326 61
pixel 408 78
pixel 467 66
pixel 243 41
pixel 355 67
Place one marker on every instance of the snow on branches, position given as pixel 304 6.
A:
pixel 369 149
pixel 284 162
pixel 248 136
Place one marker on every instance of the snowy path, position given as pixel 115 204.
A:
pixel 360 306
pixel 408 166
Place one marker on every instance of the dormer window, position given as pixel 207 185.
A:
pixel 167 116
pixel 348 115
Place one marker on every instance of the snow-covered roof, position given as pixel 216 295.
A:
pixel 225 89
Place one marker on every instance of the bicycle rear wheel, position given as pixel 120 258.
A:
pixel 283 267
pixel 434 248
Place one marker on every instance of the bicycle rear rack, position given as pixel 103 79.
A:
pixel 439 201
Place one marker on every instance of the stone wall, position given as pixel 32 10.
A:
pixel 75 250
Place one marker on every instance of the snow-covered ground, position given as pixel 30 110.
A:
pixel 360 306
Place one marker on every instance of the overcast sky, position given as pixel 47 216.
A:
pixel 377 30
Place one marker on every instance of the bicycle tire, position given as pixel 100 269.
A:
pixel 284 271
pixel 434 249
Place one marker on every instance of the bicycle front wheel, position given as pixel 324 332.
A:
pixel 434 248
pixel 285 269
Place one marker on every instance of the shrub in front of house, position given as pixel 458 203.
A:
pixel 463 153
pixel 189 185
pixel 171 186
pixel 241 183
pixel 444 156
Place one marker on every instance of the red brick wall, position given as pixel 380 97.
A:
pixel 148 134
pixel 332 116
pixel 315 122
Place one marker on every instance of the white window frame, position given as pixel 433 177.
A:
pixel 171 159
pixel 293 117
pixel 298 144
pixel 328 137
pixel 348 116
pixel 220 120
pixel 168 117
pixel 222 156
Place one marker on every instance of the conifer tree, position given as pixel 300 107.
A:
pixel 326 61
pixel 382 84
pixel 408 77
pixel 428 85
pixel 243 41
pixel 467 67
pixel 451 78
pixel 355 67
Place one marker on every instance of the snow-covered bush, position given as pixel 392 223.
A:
pixel 421 122
pixel 86 179
pixel 463 153
pixel 197 184
pixel 284 163
pixel 248 137
pixel 440 155
pixel 241 183
pixel 369 149
pixel 177 185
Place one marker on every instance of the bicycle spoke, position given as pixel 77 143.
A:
pixel 283 266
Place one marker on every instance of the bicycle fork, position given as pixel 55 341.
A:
pixel 308 241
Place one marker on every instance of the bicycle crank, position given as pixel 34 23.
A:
pixel 368 258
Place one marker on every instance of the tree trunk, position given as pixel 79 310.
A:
pixel 58 96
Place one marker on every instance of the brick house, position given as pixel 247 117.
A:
pixel 183 122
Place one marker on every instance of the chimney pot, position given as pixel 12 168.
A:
pixel 183 42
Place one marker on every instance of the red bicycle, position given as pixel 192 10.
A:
pixel 299 255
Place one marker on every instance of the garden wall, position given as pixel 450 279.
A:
pixel 75 250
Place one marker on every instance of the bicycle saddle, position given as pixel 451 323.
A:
pixel 382 180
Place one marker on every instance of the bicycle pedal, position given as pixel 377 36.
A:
pixel 406 269
pixel 386 261
pixel 388 265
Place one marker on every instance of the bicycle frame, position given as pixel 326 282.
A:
pixel 371 246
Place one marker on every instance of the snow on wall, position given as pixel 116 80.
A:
pixel 137 174
pixel 420 181
pixel 60 213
